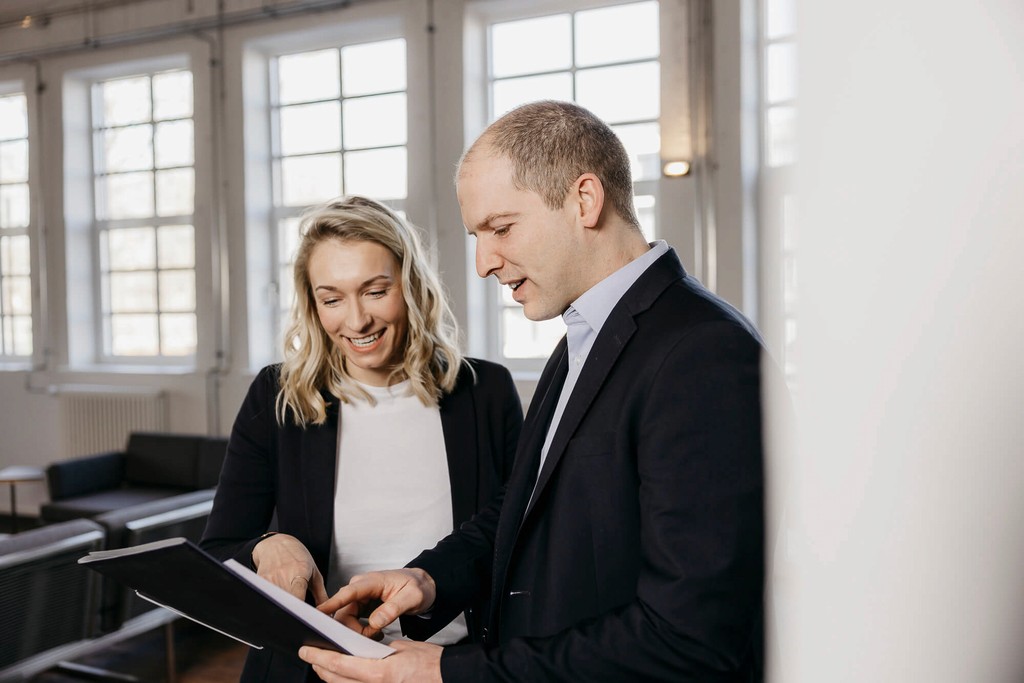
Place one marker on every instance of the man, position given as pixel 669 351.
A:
pixel 629 543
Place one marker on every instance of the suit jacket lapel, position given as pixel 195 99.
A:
pixel 524 472
pixel 459 425
pixel 615 334
pixel 318 461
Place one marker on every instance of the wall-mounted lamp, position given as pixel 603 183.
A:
pixel 27 21
pixel 675 169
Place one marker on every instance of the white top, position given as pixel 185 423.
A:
pixel 392 497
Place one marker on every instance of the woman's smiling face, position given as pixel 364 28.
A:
pixel 357 288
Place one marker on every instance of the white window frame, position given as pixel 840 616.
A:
pixel 15 81
pixel 84 348
pixel 778 220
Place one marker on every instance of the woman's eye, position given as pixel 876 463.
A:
pixel 377 293
pixel 502 231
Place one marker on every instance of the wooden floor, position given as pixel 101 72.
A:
pixel 202 656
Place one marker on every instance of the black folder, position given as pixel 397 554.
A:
pixel 228 598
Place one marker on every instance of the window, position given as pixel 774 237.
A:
pixel 339 127
pixel 144 180
pixel 15 214
pixel 779 154
pixel 605 59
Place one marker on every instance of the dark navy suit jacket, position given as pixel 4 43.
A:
pixel 640 557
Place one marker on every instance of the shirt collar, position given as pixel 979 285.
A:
pixel 596 304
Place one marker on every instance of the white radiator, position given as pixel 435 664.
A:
pixel 97 419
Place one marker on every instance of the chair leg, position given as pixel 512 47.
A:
pixel 172 663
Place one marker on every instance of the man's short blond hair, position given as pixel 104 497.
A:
pixel 551 144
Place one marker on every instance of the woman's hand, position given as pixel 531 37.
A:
pixel 285 562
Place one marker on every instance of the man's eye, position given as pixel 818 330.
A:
pixel 502 231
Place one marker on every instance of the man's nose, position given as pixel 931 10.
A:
pixel 487 261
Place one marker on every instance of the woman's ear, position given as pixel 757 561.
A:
pixel 589 194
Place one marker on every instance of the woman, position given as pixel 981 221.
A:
pixel 374 438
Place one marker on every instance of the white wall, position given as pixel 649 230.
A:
pixel 904 556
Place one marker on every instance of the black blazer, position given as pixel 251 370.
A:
pixel 640 557
pixel 290 471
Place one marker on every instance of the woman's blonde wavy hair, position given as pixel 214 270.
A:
pixel 313 363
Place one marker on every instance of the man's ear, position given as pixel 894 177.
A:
pixel 589 194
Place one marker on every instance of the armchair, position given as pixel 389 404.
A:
pixel 47 601
pixel 151 467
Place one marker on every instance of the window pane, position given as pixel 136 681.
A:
pixel 621 93
pixel 287 290
pixel 13 161
pixel 645 212
pixel 780 136
pixel 127 149
pixel 643 144
pixel 13 117
pixel 172 95
pixel 177 247
pixel 513 92
pixel 780 18
pixel 175 192
pixel 379 173
pixel 126 100
pixel 373 67
pixel 375 121
pixel 288 239
pixel 14 206
pixel 177 290
pixel 178 334
pixel 133 335
pixel 617 34
pixel 14 255
pixel 174 144
pixel 310 128
pixel 126 195
pixel 129 248
pixel 17 295
pixel 549 41
pixel 308 180
pixel 781 72
pixel 22 335
pixel 132 292
pixel 307 76
pixel 524 338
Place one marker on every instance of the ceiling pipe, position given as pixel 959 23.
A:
pixel 217 22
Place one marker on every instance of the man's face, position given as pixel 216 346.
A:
pixel 534 250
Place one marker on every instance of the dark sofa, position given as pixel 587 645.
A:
pixel 151 467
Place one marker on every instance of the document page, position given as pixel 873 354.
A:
pixel 355 643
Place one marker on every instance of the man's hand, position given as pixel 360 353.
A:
pixel 402 591
pixel 414 663
pixel 285 562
